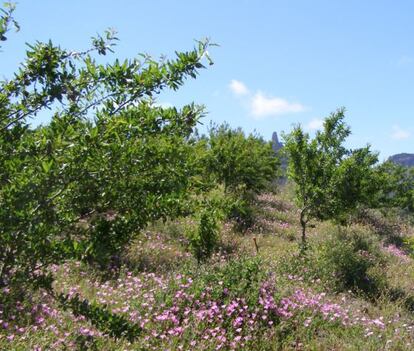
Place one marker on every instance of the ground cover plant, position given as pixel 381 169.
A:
pixel 121 228
pixel 238 300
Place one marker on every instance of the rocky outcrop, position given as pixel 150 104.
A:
pixel 276 144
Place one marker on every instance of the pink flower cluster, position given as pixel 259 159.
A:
pixel 397 252
pixel 172 311
pixel 284 225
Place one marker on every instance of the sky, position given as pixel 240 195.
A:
pixel 278 63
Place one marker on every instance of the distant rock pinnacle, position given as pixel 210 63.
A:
pixel 276 144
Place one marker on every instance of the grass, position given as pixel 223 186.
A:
pixel 241 299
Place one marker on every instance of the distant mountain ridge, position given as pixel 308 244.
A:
pixel 403 159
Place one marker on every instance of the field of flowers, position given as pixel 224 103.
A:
pixel 273 299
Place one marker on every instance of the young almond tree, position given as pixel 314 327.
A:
pixel 109 161
pixel 330 180
pixel 239 161
pixel 245 165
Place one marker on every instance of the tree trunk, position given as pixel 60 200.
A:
pixel 303 223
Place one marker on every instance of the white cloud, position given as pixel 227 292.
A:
pixel 399 133
pixel 262 106
pixel 315 124
pixel 238 88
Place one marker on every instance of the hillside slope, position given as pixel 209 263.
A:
pixel 352 290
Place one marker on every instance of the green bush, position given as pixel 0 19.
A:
pixel 204 238
pixel 242 210
pixel 352 260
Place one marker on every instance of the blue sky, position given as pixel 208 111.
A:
pixel 279 62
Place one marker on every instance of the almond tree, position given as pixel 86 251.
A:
pixel 330 180
pixel 108 162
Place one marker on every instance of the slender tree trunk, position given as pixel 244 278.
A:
pixel 303 223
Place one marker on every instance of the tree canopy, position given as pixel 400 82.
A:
pixel 330 180
pixel 108 162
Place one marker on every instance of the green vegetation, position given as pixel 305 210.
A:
pixel 397 188
pixel 123 229
pixel 331 181
pixel 108 163
pixel 240 163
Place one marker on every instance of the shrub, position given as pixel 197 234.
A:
pixel 204 238
pixel 352 260
pixel 348 259
pixel 242 210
